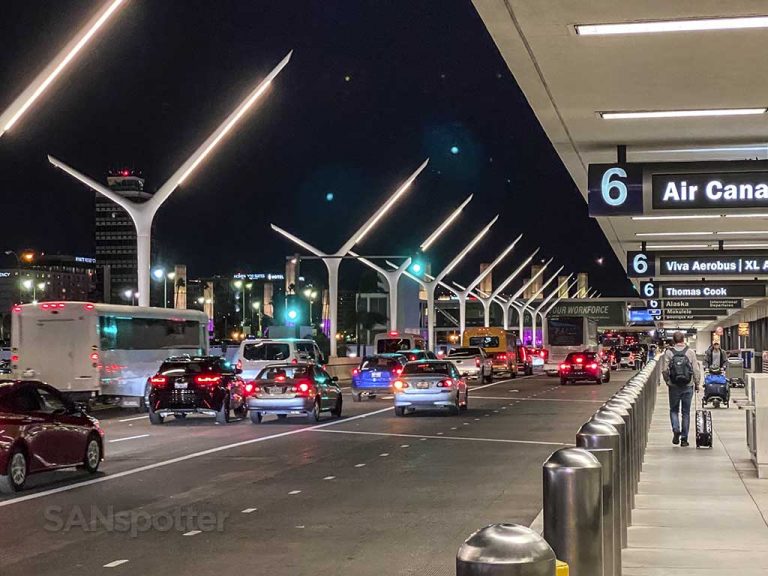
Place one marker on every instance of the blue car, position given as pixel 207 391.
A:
pixel 375 375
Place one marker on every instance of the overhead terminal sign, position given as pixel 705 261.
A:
pixel 624 189
pixel 716 263
pixel 611 313
pixel 669 312
pixel 706 289
pixel 719 304
pixel 690 317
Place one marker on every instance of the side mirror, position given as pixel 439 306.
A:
pixel 334 378
pixel 322 360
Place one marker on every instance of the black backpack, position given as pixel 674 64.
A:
pixel 680 368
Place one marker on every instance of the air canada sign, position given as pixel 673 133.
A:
pixel 720 190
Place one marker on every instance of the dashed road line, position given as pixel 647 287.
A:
pixel 359 465
pixel 133 418
pixel 384 454
pixel 294 492
pixel 192 533
pixel 128 438
pixel 115 563
pixel 248 510
pixel 398 435
pixel 538 399
pixel 329 477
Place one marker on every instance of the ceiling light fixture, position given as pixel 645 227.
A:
pixel 754 215
pixel 687 217
pixel 748 245
pixel 743 233
pixel 677 246
pixel 641 234
pixel 688 25
pixel 650 114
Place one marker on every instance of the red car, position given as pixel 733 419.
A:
pixel 40 430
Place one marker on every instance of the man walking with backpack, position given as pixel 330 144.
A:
pixel 682 372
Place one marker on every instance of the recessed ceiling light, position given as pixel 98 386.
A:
pixel 674 233
pixel 646 114
pixel 743 233
pixel 748 245
pixel 689 25
pixel 755 215
pixel 676 246
pixel 687 217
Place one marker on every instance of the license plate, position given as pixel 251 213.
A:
pixel 375 375
pixel 422 385
pixel 180 385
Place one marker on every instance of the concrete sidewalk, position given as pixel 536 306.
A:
pixel 699 512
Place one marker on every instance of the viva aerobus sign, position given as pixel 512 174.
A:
pixel 624 189
pixel 748 263
pixel 606 313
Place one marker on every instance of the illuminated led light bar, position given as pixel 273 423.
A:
pixel 660 26
pixel 756 215
pixel 650 114
pixel 436 234
pixel 748 245
pixel 56 67
pixel 677 246
pixel 640 234
pixel 743 233
pixel 688 217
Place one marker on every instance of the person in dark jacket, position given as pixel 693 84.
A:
pixel 715 357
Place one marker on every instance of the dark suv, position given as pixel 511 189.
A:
pixel 197 385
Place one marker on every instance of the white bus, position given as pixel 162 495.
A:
pixel 394 341
pixel 88 350
pixel 566 334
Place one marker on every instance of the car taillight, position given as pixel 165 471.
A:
pixel 399 384
pixel 355 371
pixel 158 381
pixel 16 309
pixel 294 360
pixel 542 354
pixel 477 362
pixel 250 388
pixel 279 378
pixel 564 366
pixel 592 366
pixel 501 356
pixel 94 356
pixel 398 371
pixel 207 380
pixel 15 358
pixel 579 359
pixel 447 383
pixel 302 388
pixel 89 306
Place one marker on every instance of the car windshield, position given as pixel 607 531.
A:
pixel 465 352
pixel 171 368
pixel 378 363
pixel 287 372
pixel 266 351
pixel 585 357
pixel 427 368
pixel 388 345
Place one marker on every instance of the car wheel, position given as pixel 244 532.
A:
pixel 599 380
pixel 399 410
pixel 256 417
pixel 513 373
pixel 337 409
pixel 222 416
pixel 489 377
pixel 155 418
pixel 456 407
pixel 15 473
pixel 242 410
pixel 92 458
pixel 144 400
pixel 607 377
pixel 563 381
pixel 314 416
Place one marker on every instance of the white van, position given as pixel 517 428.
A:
pixel 254 355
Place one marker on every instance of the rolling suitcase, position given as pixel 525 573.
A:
pixel 703 428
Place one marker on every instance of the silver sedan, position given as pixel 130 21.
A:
pixel 430 384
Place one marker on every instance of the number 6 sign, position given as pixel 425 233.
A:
pixel 615 189
pixel 641 264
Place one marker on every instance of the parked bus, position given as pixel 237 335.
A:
pixel 393 341
pixel 91 350
pixel 503 346
pixel 566 334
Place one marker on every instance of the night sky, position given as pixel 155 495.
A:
pixel 372 90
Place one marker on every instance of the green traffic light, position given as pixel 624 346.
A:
pixel 416 268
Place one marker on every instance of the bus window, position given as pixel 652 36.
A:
pixel 484 341
pixel 391 345
pixel 124 333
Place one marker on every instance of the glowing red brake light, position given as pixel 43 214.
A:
pixel 294 361
pixel 89 306
pixel 394 333
pixel 447 383
pixel 94 356
pixel 158 381
pixel 564 367
pixel 303 387
pixel 279 378
pixel 16 309
pixel 239 364
pixel 579 359
pixel 477 362
pixel 207 380
pixel 398 371
pixel 250 387
pixel 399 384
pixel 592 366
pixel 355 371
pixel 15 358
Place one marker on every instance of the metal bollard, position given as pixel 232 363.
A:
pixel 604 442
pixel 626 401
pixel 635 392
pixel 631 396
pixel 505 550
pixel 625 513
pixel 618 406
pixel 573 510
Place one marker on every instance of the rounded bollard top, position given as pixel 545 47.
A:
pixel 609 416
pixel 505 544
pixel 596 428
pixel 572 458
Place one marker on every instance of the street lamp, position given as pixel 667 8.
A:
pixel 392 277
pixel 257 307
pixel 43 80
pixel 333 261
pixel 310 295
pixel 143 214
pixel 131 295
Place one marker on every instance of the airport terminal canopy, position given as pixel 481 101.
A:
pixel 673 82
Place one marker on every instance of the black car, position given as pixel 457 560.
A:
pixel 197 385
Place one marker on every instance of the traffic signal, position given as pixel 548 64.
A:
pixel 291 315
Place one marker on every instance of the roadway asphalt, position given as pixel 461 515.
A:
pixel 368 494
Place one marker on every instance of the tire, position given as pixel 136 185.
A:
pixel 242 412
pixel 16 472
pixel 93 455
pixel 222 416
pixel 356 397
pixel 599 381
pixel 456 408
pixel 607 377
pixel 256 417
pixel 144 400
pixel 155 419
pixel 399 410
pixel 314 416
pixel 489 378
pixel 513 373
pixel 337 409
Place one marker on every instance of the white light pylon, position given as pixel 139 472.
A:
pixel 512 300
pixel 143 214
pixel 42 81
pixel 543 305
pixel 333 261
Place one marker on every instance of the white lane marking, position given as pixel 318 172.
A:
pixel 402 445
pixel 359 465
pixel 192 533
pixel 422 438
pixel 384 454
pixel 476 420
pixel 387 397
pixel 302 526
pixel 248 510
pixel 294 492
pixel 115 564
pixel 501 440
pixel 329 477
pixel 440 433
pixel 192 456
pixel 131 419
pixel 129 438
pixel 538 399
pixel 453 427
pixel 497 383
pixel 513 390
